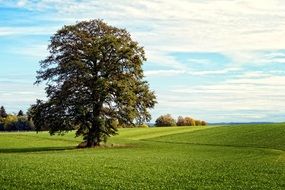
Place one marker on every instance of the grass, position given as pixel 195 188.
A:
pixel 232 157
pixel 262 136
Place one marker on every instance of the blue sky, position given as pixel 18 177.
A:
pixel 217 60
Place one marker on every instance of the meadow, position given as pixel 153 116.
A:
pixel 220 157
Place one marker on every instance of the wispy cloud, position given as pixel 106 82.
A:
pixel 249 86
pixel 38 51
pixel 10 31
pixel 163 73
pixel 247 98
pixel 19 94
pixel 173 72
pixel 237 28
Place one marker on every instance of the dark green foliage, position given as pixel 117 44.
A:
pixel 165 120
pixel 2 126
pixel 3 113
pixel 9 122
pixel 23 124
pixel 20 113
pixel 94 77
pixel 11 126
pixel 17 123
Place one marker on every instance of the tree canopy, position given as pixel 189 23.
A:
pixel 165 120
pixel 93 76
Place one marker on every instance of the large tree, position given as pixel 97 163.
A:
pixel 94 77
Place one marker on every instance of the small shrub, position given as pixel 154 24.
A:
pixel 198 123
pixel 189 121
pixel 165 120
pixel 180 121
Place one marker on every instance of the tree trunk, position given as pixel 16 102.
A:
pixel 93 138
pixel 90 143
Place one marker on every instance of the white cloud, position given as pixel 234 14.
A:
pixel 275 54
pixel 18 94
pixel 250 97
pixel 163 73
pixel 199 61
pixel 255 75
pixel 237 28
pixel 257 58
pixel 21 3
pixel 215 72
pixel 161 59
pixel 38 51
pixel 9 31
pixel 189 72
pixel 247 32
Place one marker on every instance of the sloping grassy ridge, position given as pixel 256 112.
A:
pixel 260 136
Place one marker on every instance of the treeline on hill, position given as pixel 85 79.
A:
pixel 13 122
pixel 168 120
pixel 22 122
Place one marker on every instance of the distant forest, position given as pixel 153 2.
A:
pixel 15 122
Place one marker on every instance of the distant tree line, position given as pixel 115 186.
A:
pixel 168 120
pixel 14 122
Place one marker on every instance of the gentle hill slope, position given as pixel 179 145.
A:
pixel 19 140
pixel 260 136
pixel 34 142
pixel 146 133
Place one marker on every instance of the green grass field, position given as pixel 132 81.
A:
pixel 226 157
